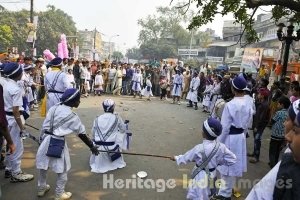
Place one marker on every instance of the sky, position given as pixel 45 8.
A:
pixel 110 17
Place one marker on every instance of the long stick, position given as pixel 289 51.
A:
pixel 138 154
pixel 32 127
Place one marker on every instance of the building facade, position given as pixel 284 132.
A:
pixel 90 44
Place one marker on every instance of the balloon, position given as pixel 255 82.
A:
pixel 60 51
pixel 48 55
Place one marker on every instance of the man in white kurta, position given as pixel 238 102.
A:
pixel 13 106
pixel 193 92
pixel 235 118
pixel 109 134
pixel 177 86
pixel 215 93
pixel 137 80
pixel 223 156
pixel 56 83
pixel 60 122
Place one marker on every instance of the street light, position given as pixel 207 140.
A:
pixel 110 38
pixel 288 38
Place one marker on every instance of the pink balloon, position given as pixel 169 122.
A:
pixel 48 55
pixel 60 51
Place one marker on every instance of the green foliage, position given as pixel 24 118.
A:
pixel 164 32
pixel 208 9
pixel 5 36
pixel 243 12
pixel 51 24
pixel 116 55
pixel 134 53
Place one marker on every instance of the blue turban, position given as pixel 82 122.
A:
pixel 70 96
pixel 239 82
pixel 28 67
pixel 212 127
pixel 12 70
pixel 56 62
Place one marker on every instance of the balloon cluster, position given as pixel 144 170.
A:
pixel 62 48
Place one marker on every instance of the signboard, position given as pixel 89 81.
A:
pixel 188 52
pixel 214 59
pixel 252 59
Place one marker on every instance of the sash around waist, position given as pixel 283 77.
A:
pixel 235 131
pixel 102 143
pixel 54 91
pixel 210 170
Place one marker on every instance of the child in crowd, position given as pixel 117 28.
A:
pixel 98 87
pixel 147 91
pixel 71 79
pixel 261 120
pixel 206 93
pixel 207 156
pixel 163 87
pixel 277 135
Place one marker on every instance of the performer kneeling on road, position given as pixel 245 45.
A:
pixel 109 134
pixel 207 157
pixel 283 181
pixel 53 152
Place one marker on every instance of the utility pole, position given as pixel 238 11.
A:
pixel 31 11
pixel 94 53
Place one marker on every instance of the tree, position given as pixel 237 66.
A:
pixel 5 37
pixel 162 33
pixel 52 23
pixel 243 12
pixel 117 55
pixel 134 53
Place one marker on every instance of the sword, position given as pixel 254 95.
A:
pixel 32 126
pixel 138 154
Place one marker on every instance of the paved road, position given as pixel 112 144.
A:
pixel 158 127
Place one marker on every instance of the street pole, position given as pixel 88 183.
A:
pixel 286 57
pixel 288 42
pixel 31 11
pixel 288 38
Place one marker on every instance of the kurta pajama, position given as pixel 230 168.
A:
pixel 193 92
pixel 235 120
pixel 223 156
pixel 56 83
pixel 177 85
pixel 111 135
pixel 58 165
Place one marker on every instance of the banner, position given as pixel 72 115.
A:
pixel 252 59
pixel 188 52
pixel 214 59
